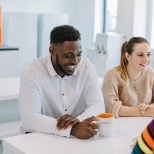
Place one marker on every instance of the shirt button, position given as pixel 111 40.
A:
pixel 63 94
pixel 65 109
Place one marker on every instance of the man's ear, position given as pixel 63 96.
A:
pixel 51 50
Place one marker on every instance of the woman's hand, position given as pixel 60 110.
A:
pixel 147 109
pixel 143 106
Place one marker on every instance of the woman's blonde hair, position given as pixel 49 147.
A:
pixel 128 47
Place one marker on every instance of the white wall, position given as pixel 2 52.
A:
pixel 83 19
pixel 40 6
pixel 140 18
pixel 81 13
pixel 132 18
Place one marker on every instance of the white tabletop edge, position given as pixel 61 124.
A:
pixel 9 88
pixel 8 97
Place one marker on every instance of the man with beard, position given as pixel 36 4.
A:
pixel 60 93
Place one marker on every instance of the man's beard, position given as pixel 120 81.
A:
pixel 60 66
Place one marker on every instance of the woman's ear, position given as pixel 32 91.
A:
pixel 127 56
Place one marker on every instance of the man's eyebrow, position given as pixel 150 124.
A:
pixel 68 52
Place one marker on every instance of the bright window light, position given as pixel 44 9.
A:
pixel 111 15
pixel 152 29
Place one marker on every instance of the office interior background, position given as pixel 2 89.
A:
pixel 103 24
pixel 27 25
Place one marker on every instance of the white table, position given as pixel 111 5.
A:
pixel 119 143
pixel 9 90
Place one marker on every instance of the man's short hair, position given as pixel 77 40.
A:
pixel 64 33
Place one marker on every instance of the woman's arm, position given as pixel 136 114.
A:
pixel 114 91
pixel 111 94
pixel 135 111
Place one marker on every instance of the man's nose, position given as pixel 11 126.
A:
pixel 75 60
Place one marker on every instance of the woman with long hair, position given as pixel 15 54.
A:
pixel 128 89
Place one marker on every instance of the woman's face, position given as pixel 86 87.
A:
pixel 140 57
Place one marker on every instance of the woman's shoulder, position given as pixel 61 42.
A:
pixel 113 76
pixel 113 72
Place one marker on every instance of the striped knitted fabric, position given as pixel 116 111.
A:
pixel 145 143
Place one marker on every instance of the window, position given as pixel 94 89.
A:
pixel 110 15
pixel 105 16
pixel 152 28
